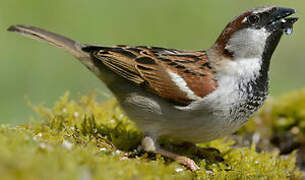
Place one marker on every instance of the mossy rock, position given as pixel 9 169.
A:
pixel 88 140
pixel 280 125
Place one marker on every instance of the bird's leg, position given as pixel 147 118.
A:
pixel 149 144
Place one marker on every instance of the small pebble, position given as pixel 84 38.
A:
pixel 76 114
pixel 124 158
pixel 67 145
pixel 209 172
pixel 35 138
pixel 43 145
pixel 116 152
pixel 295 130
pixel 103 149
pixel 178 169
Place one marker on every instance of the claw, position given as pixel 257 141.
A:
pixel 188 163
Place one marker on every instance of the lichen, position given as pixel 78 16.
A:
pixel 86 139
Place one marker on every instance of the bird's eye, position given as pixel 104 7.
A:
pixel 253 19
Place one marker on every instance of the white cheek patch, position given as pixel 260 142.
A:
pixel 179 81
pixel 248 43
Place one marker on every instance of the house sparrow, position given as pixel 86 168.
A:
pixel 193 96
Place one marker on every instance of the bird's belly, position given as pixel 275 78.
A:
pixel 163 120
pixel 203 128
pixel 219 114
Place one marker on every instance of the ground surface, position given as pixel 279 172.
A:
pixel 86 140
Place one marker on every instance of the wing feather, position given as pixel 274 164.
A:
pixel 179 76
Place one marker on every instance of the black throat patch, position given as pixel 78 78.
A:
pixel 257 89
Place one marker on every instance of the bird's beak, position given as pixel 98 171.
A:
pixel 279 19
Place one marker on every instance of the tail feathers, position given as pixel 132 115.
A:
pixel 73 47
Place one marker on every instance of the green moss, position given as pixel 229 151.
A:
pixel 282 123
pixel 88 140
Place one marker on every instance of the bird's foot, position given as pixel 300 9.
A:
pixel 149 145
pixel 187 162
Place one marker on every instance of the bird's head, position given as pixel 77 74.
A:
pixel 254 33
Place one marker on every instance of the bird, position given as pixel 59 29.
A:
pixel 191 96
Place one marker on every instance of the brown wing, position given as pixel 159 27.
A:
pixel 179 76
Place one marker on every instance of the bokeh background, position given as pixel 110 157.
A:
pixel 43 73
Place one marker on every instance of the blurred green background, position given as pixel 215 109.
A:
pixel 43 73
